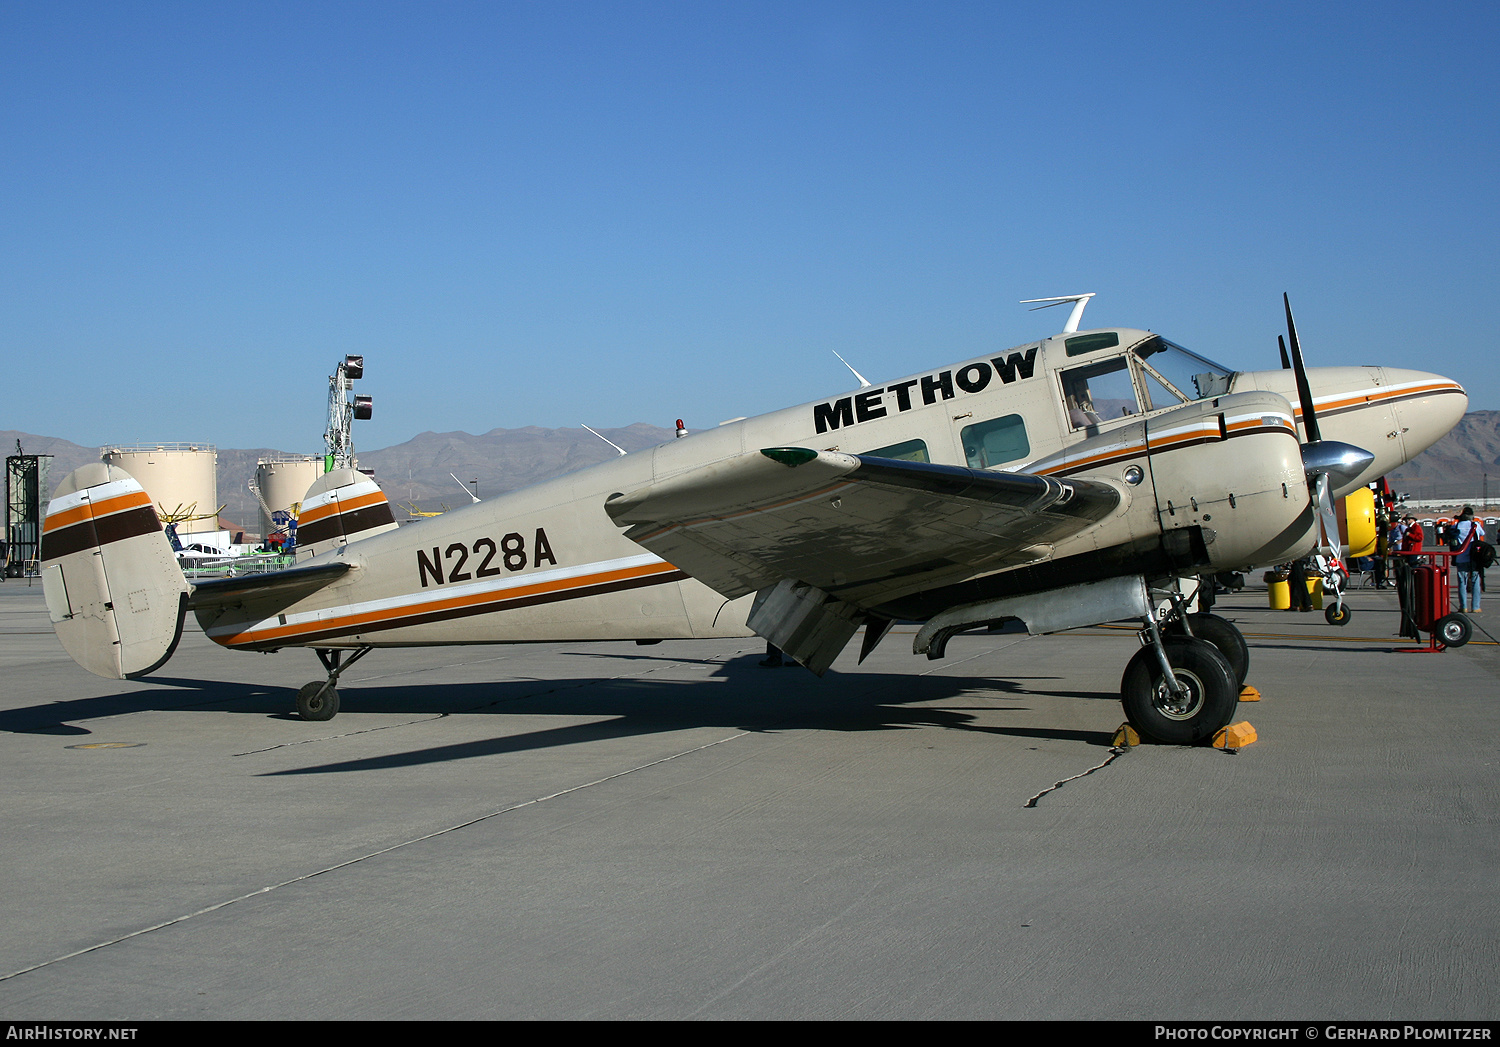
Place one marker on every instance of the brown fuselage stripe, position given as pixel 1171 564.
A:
pixel 101 530
pixel 1357 402
pixel 1249 428
pixel 345 523
pixel 303 639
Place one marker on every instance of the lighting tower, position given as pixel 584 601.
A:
pixel 343 408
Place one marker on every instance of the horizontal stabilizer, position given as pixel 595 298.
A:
pixel 291 585
pixel 114 591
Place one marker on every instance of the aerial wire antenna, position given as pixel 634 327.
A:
pixel 864 383
pixel 607 440
pixel 474 498
pixel 1078 300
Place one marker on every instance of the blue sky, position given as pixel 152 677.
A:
pixel 553 213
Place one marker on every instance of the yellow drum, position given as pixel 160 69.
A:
pixel 1280 594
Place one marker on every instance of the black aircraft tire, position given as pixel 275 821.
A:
pixel 1337 614
pixel 1213 695
pixel 1453 630
pixel 312 707
pixel 1222 633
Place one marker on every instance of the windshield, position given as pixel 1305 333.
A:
pixel 1185 375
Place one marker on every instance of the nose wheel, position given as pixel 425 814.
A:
pixel 1335 581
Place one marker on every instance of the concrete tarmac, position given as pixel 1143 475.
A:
pixel 615 831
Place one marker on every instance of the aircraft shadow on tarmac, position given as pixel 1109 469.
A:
pixel 739 695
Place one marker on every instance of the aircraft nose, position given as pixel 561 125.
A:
pixel 1428 405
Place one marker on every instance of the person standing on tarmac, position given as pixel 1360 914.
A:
pixel 1469 530
pixel 1412 537
pixel 1301 601
pixel 1410 542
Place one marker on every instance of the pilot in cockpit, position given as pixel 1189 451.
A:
pixel 1081 412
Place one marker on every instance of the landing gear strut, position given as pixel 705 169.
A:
pixel 319 700
pixel 1335 580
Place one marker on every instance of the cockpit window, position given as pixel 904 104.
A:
pixel 1184 373
pixel 1159 393
pixel 1099 392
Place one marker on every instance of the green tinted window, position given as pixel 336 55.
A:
pixel 1088 343
pixel 995 442
pixel 910 451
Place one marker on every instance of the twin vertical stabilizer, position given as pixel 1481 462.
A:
pixel 114 590
pixel 340 507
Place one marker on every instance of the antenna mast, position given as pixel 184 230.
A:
pixel 1078 300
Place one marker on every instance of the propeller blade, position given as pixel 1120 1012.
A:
pixel 1328 516
pixel 1304 391
pixel 1286 363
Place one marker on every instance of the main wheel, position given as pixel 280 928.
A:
pixel 314 706
pixel 1337 614
pixel 1222 634
pixel 1208 704
pixel 1453 630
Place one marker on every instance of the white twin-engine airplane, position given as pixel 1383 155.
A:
pixel 1082 479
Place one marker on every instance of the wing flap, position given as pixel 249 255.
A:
pixel 861 528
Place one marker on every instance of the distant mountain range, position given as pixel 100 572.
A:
pixel 1456 466
pixel 417 471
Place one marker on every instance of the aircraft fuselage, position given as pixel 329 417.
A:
pixel 1206 462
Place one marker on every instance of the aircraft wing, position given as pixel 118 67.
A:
pixel 862 528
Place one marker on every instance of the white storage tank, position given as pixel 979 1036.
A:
pixel 282 482
pixel 179 477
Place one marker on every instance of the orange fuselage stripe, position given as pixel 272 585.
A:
pixel 340 506
pixel 88 510
pixel 352 621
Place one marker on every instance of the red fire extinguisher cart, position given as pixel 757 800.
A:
pixel 1429 599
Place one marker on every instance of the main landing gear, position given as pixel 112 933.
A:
pixel 319 700
pixel 1183 685
pixel 1222 634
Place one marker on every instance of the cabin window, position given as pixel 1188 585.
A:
pixel 910 451
pixel 1089 343
pixel 995 442
pixel 1097 393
